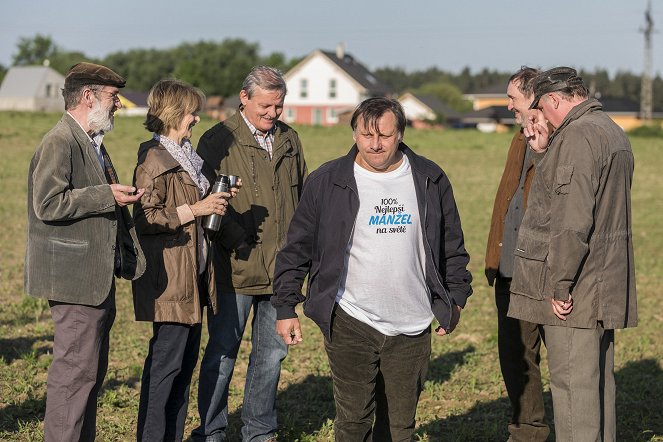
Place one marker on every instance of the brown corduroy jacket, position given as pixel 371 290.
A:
pixel 508 185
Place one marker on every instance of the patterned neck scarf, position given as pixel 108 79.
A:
pixel 188 159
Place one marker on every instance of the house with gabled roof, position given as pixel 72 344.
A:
pixel 32 88
pixel 423 110
pixel 326 84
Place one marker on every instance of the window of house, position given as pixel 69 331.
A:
pixel 303 88
pixel 48 89
pixel 290 115
pixel 332 116
pixel 332 88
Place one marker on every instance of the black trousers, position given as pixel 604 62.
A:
pixel 164 392
pixel 519 343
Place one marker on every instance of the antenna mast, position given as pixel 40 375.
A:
pixel 646 87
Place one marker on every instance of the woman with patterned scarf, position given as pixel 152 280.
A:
pixel 179 279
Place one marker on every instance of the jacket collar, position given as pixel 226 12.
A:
pixel 589 105
pixel 162 162
pixel 83 140
pixel 344 173
pixel 244 136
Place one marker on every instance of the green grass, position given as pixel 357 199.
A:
pixel 464 397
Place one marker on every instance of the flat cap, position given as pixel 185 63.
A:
pixel 85 73
pixel 553 80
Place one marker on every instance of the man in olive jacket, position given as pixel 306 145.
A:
pixel 267 155
pixel 80 235
pixel 574 270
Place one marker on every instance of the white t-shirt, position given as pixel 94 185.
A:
pixel 384 281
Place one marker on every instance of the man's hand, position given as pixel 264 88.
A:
pixel 455 318
pixel 536 131
pixel 123 194
pixel 289 330
pixel 562 308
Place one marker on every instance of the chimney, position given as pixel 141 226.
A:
pixel 340 50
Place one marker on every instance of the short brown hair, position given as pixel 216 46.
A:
pixel 168 102
pixel 372 109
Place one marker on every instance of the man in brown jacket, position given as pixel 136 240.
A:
pixel 267 154
pixel 80 235
pixel 518 341
pixel 574 270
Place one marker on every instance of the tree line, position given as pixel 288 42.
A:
pixel 218 68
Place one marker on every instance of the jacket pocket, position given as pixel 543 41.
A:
pixel 563 179
pixel 65 254
pixel 530 268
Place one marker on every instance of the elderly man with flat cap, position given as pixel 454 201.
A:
pixel 574 270
pixel 80 236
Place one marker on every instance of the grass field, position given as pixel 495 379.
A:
pixel 464 397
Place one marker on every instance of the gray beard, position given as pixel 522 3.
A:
pixel 100 119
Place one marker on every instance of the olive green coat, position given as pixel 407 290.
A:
pixel 576 234
pixel 258 217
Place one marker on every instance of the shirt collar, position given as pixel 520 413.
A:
pixel 254 130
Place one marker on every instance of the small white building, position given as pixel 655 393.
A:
pixel 325 84
pixel 32 88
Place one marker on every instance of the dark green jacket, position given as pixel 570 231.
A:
pixel 72 222
pixel 257 221
pixel 576 234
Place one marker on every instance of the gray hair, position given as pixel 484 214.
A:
pixel 73 96
pixel 264 77
pixel 524 80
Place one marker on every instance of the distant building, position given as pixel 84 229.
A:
pixel 133 103
pixel 494 95
pixel 327 84
pixel 219 108
pixel 424 111
pixel 32 88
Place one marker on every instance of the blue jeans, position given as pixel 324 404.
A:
pixel 262 377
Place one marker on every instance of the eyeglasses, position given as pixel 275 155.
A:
pixel 113 96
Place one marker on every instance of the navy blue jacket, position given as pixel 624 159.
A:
pixel 320 231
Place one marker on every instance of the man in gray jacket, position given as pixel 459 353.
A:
pixel 574 270
pixel 80 235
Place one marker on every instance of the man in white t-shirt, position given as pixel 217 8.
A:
pixel 379 235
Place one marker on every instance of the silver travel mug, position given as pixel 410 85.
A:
pixel 232 180
pixel 213 221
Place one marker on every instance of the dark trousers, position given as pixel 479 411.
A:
pixel 519 343
pixel 377 380
pixel 80 361
pixel 164 392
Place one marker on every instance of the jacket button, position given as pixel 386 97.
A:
pixel 500 244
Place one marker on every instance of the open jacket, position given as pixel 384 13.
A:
pixel 169 290
pixel 576 234
pixel 257 220
pixel 74 225
pixel 515 162
pixel 321 228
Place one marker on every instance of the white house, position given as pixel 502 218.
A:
pixel 326 84
pixel 32 88
pixel 426 110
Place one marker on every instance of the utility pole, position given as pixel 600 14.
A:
pixel 646 87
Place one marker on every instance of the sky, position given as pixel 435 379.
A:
pixel 410 34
